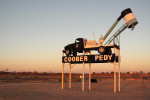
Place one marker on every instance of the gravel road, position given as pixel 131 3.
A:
pixel 130 90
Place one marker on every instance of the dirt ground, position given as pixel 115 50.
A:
pixel 130 90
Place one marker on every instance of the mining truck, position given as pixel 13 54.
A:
pixel 81 44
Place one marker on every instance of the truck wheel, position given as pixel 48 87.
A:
pixel 101 50
pixel 109 52
pixel 77 45
pixel 74 53
pixel 67 52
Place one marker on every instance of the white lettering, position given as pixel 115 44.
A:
pixel 65 59
pixel 101 57
pixel 85 58
pixel 110 56
pixel 81 58
pixel 105 57
pixel 69 59
pixel 73 59
pixel 77 58
pixel 96 57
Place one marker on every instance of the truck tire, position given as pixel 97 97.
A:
pixel 74 53
pixel 102 50
pixel 67 52
pixel 109 51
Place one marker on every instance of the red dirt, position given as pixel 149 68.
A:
pixel 103 90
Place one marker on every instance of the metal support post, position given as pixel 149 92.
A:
pixel 62 73
pixel 119 72
pixel 70 76
pixel 83 75
pixel 90 74
pixel 81 81
pixel 114 73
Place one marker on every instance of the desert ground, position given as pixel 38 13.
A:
pixel 103 90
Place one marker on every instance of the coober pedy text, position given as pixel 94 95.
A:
pixel 88 58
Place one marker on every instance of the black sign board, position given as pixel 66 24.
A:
pixel 89 59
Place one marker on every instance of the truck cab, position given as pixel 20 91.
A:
pixel 74 47
pixel 79 44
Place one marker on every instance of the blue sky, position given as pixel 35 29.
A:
pixel 34 32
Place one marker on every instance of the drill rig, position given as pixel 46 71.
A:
pixel 82 43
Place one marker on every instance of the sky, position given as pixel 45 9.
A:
pixel 33 33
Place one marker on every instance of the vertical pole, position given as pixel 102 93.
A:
pixel 90 75
pixel 114 73
pixel 81 81
pixel 119 72
pixel 83 76
pixel 70 76
pixel 62 73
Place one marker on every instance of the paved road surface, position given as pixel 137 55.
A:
pixel 130 90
